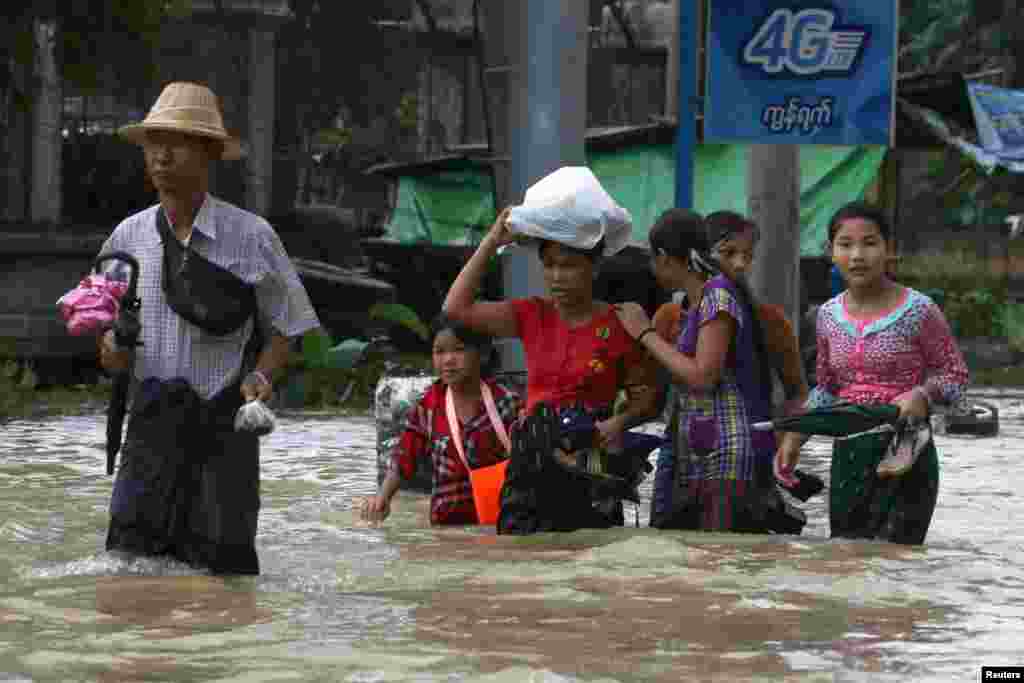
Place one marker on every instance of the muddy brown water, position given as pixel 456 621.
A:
pixel 339 600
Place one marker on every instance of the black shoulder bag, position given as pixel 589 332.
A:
pixel 210 297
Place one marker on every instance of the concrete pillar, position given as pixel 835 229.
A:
pixel 499 54
pixel 14 164
pixel 45 204
pixel 773 190
pixel 549 96
pixel 543 48
pixel 672 62
pixel 259 161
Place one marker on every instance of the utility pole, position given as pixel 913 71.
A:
pixel 773 191
pixel 686 43
pixel 1013 45
pixel 536 75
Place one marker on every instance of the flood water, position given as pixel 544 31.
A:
pixel 341 601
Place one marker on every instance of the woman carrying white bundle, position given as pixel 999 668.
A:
pixel 578 356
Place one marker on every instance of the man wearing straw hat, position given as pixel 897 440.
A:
pixel 220 301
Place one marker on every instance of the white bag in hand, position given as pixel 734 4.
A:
pixel 255 417
pixel 569 206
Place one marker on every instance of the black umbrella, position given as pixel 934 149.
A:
pixel 126 333
pixel 840 419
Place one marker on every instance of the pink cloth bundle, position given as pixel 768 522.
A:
pixel 92 306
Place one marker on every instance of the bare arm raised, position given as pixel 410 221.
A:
pixel 497 319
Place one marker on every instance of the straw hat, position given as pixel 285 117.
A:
pixel 185 108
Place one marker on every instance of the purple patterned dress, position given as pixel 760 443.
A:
pixel 721 482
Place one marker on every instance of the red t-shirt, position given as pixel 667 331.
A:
pixel 585 364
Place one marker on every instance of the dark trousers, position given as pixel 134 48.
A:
pixel 188 484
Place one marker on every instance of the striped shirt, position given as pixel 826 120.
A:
pixel 237 240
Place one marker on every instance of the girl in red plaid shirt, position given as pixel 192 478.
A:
pixel 459 357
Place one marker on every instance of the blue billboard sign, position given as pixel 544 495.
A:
pixel 999 116
pixel 801 72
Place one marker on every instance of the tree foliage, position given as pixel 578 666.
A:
pixel 333 54
pixel 95 37
pixel 339 63
pixel 939 35
pixel 968 36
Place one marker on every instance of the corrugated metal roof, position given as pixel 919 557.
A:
pixel 608 137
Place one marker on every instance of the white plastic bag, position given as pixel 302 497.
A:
pixel 255 417
pixel 569 206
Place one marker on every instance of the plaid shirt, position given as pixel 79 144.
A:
pixel 237 240
pixel 427 435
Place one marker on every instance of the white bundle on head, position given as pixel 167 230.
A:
pixel 570 207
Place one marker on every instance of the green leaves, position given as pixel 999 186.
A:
pixel 93 34
pixel 927 27
pixel 178 9
pixel 315 346
pixel 971 295
pixel 8 348
pixel 338 137
pixel 407 111
pixel 347 354
pixel 10 369
pixel 319 352
pixel 1013 324
pixel 401 315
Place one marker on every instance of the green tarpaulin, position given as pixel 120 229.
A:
pixel 451 206
pixel 454 204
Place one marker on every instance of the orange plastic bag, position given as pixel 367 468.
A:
pixel 487 483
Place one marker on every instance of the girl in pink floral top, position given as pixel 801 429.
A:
pixel 878 342
pixel 878 358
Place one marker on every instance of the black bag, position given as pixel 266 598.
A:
pixel 683 512
pixel 540 494
pixel 200 291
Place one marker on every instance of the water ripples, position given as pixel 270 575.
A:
pixel 342 600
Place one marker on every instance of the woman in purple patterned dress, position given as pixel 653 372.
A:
pixel 723 386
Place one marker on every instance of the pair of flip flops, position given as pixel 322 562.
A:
pixel 912 435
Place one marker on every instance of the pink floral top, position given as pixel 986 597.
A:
pixel 877 360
